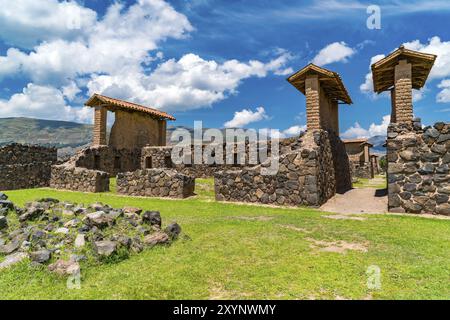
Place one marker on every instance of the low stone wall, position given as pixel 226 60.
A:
pixel 24 176
pixel 160 157
pixel 155 183
pixel 359 170
pixel 78 179
pixel 108 159
pixel 418 168
pixel 13 154
pixel 23 166
pixel 306 176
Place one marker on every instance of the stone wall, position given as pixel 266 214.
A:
pixel 107 159
pixel 68 177
pixel 23 166
pixel 160 157
pixel 361 170
pixel 418 168
pixel 306 175
pixel 155 183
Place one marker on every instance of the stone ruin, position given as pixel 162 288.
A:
pixel 64 236
pixel 318 166
pixel 418 158
pixel 361 161
pixel 24 166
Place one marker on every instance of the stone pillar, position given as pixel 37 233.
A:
pixel 99 138
pixel 366 153
pixel 334 116
pixel 393 113
pixel 312 88
pixel 162 125
pixel 403 92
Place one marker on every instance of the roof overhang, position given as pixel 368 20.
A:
pixel 112 104
pixel 383 71
pixel 330 81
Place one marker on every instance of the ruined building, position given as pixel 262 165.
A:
pixel 316 165
pixel 418 158
pixel 358 151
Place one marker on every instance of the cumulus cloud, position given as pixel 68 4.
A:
pixel 114 56
pixel 245 117
pixel 25 23
pixel 356 131
pixel 280 134
pixel 367 86
pixel 334 52
pixel 444 95
pixel 294 130
pixel 43 102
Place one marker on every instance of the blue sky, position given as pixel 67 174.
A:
pixel 223 62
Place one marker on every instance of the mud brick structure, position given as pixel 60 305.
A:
pixel 156 183
pixel 316 167
pixel 135 126
pixel 418 159
pixel 358 151
pixel 23 166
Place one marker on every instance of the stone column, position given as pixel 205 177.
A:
pixel 312 88
pixel 334 116
pixel 162 125
pixel 403 92
pixel 99 138
pixel 366 153
pixel 393 113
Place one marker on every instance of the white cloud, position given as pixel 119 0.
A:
pixel 25 23
pixel 334 52
pixel 367 86
pixel 245 117
pixel 188 83
pixel 444 95
pixel 113 56
pixel 356 131
pixel 294 130
pixel 43 102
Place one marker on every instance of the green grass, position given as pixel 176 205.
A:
pixel 379 182
pixel 247 252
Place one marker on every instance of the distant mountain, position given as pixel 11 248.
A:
pixel 378 142
pixel 64 135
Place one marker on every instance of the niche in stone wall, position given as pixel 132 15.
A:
pixel 117 163
pixel 96 162
pixel 148 162
pixel 168 162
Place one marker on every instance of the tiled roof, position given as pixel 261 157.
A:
pixel 330 81
pixel 361 141
pixel 383 71
pixel 98 99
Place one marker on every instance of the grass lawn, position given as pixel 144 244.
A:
pixel 378 182
pixel 253 252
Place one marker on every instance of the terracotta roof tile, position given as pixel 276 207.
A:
pixel 98 99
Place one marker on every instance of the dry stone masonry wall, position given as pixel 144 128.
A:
pixel 68 177
pixel 418 168
pixel 23 166
pixel 156 183
pixel 306 175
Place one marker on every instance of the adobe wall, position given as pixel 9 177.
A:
pixel 155 183
pixel 23 166
pixel 132 130
pixel 418 168
pixel 307 175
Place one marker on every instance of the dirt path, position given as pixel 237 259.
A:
pixel 365 200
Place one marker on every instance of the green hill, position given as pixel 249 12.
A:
pixel 60 134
